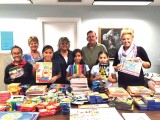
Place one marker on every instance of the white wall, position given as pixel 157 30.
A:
pixel 144 20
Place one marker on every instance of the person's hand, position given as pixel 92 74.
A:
pixel 109 78
pixel 137 59
pixel 74 76
pixel 119 67
pixel 35 67
pixel 81 76
pixel 98 77
pixel 52 80
pixel 151 85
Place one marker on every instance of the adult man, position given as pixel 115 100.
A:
pixel 91 50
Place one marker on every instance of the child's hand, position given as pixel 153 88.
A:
pixel 110 78
pixel 74 76
pixel 35 67
pixel 81 76
pixel 98 77
pixel 53 79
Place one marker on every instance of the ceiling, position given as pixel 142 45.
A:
pixel 75 2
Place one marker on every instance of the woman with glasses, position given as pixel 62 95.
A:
pixel 64 56
pixel 34 54
pixel 19 71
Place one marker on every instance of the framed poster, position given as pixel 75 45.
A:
pixel 110 37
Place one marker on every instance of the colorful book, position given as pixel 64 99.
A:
pixel 138 90
pixel 131 67
pixel 16 72
pixel 37 90
pixel 19 115
pixel 77 69
pixel 117 92
pixel 44 72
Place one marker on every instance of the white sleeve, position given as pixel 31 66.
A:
pixel 67 70
pixel 87 68
pixel 111 70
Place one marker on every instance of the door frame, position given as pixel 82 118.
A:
pixel 43 20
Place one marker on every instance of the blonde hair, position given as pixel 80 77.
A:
pixel 127 31
pixel 33 39
pixel 63 39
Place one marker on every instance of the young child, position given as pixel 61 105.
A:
pixel 19 71
pixel 47 53
pixel 102 71
pixel 78 68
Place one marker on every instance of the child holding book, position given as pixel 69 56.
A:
pixel 19 71
pixel 47 53
pixel 102 71
pixel 78 68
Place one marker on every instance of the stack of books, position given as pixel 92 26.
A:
pixel 117 92
pixel 148 103
pixel 37 90
pixel 138 90
pixel 79 86
pixel 122 103
pixel 140 104
pixel 156 86
pixel 152 103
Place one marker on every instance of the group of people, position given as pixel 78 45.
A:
pixel 92 59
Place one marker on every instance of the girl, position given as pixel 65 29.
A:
pixel 47 53
pixel 78 69
pixel 102 70
pixel 19 71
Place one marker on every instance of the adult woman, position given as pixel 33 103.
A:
pixel 34 54
pixel 64 57
pixel 130 51
pixel 19 71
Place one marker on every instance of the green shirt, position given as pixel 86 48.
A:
pixel 90 56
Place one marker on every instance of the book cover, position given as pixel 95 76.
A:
pixel 19 115
pixel 16 72
pixel 37 90
pixel 44 72
pixel 117 92
pixel 131 67
pixel 138 90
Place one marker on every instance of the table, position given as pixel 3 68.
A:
pixel 153 115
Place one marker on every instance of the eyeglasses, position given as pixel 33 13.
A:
pixel 18 53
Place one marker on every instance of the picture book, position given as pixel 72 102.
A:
pixel 138 90
pixel 37 90
pixel 131 67
pixel 117 92
pixel 16 72
pixel 44 72
pixel 77 69
pixel 19 115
